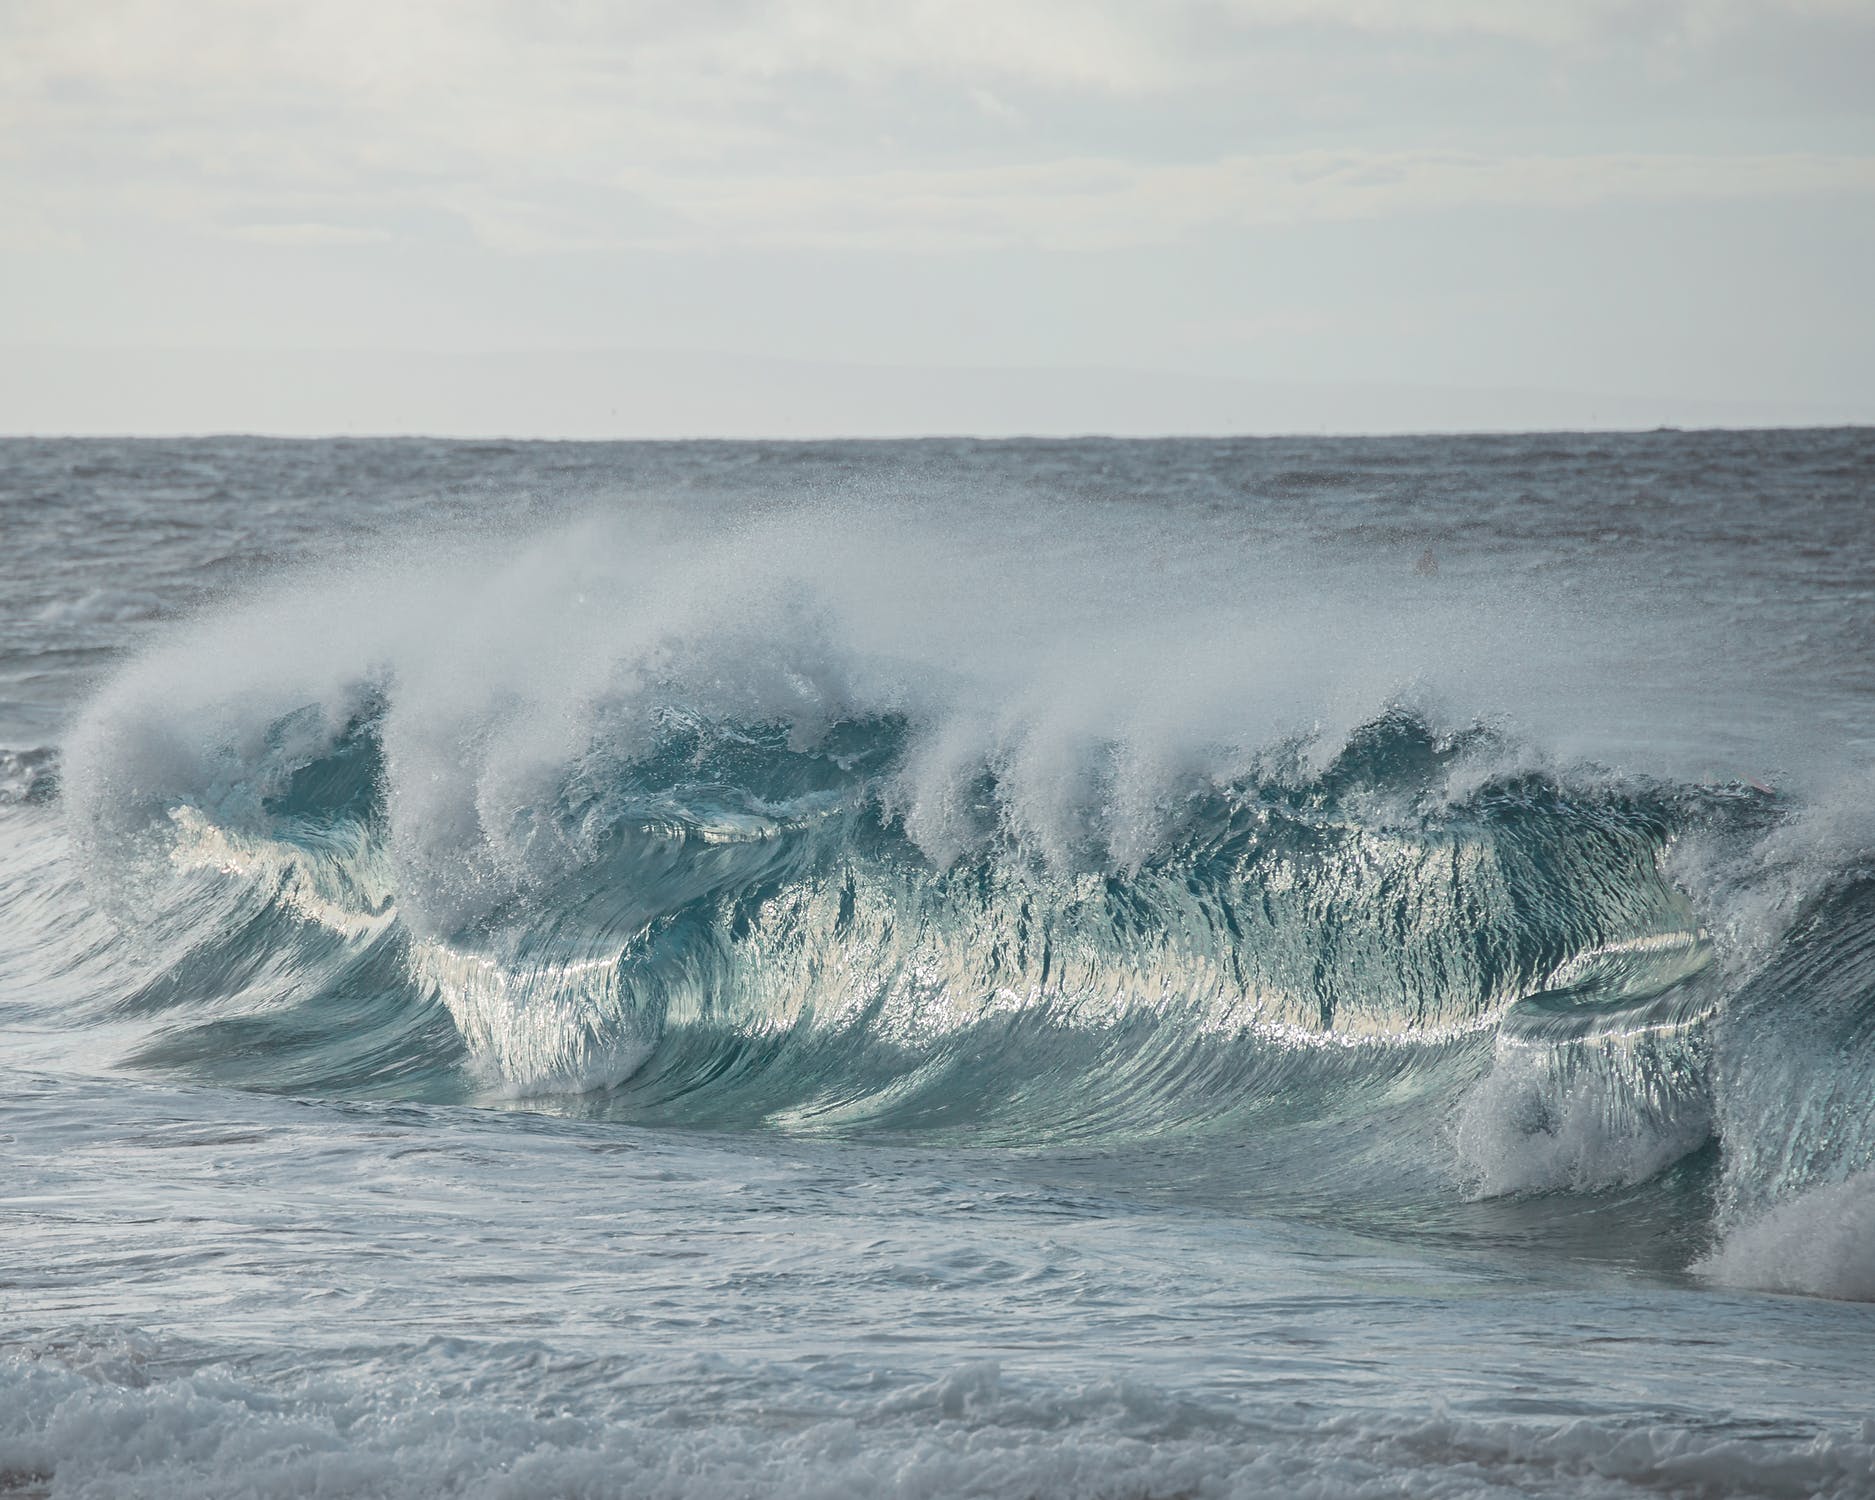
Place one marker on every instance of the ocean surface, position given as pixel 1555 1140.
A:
pixel 1112 970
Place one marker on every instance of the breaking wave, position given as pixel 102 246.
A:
pixel 763 833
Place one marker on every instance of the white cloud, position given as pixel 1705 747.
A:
pixel 1094 204
pixel 308 234
pixel 152 151
pixel 818 123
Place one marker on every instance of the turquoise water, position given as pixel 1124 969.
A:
pixel 1298 967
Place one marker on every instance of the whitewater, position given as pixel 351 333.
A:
pixel 1335 967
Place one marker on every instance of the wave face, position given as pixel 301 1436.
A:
pixel 741 927
pixel 849 822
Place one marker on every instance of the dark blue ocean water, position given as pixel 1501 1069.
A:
pixel 1147 969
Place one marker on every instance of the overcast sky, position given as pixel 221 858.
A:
pixel 1665 206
